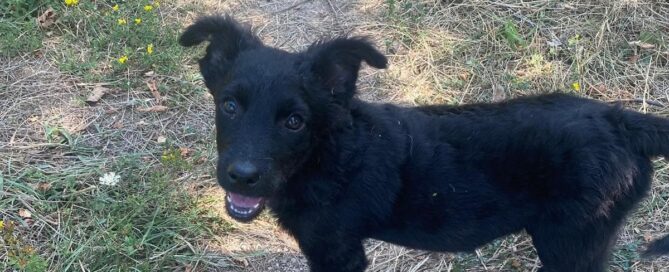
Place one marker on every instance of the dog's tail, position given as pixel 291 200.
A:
pixel 645 134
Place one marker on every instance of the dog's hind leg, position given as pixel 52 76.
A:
pixel 584 248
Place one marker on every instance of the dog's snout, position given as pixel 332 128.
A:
pixel 243 172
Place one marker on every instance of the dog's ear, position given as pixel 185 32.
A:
pixel 335 64
pixel 226 39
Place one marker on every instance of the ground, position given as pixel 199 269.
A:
pixel 106 130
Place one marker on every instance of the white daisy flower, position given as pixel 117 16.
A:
pixel 110 179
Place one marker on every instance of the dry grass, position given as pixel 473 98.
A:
pixel 440 52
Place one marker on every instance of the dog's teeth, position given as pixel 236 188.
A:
pixel 242 212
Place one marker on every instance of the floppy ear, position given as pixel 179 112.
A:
pixel 227 38
pixel 335 64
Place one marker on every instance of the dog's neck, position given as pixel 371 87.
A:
pixel 320 181
pixel 326 173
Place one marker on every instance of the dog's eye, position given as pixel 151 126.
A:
pixel 294 122
pixel 229 106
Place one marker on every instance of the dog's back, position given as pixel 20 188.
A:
pixel 545 164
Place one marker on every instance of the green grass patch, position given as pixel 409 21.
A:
pixel 624 257
pixel 20 32
pixel 143 222
pixel 96 40
pixel 120 38
pixel 511 35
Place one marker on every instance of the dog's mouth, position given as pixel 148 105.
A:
pixel 243 208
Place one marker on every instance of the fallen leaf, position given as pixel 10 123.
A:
pixel 161 139
pixel 149 74
pixel 118 124
pixel 25 213
pixel 243 262
pixel 647 237
pixel 498 93
pixel 43 186
pixel 599 88
pixel 464 76
pixel 111 110
pixel 642 45
pixel 47 19
pixel 153 88
pixel 156 108
pixel 38 53
pixel 201 160
pixel 97 94
pixel 646 45
pixel 80 127
pixel 633 58
pixel 185 151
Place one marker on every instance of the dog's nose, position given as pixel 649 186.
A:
pixel 243 172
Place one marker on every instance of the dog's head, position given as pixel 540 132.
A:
pixel 272 106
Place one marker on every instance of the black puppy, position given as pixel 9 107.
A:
pixel 336 170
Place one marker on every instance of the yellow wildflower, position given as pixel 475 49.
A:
pixel 123 59
pixel 115 7
pixel 149 49
pixel 2 224
pixel 71 3
pixel 156 4
pixel 122 21
pixel 138 21
pixel 148 8
pixel 576 86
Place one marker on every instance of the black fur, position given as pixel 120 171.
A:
pixel 567 170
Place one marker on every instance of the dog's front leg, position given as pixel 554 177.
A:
pixel 329 243
pixel 333 253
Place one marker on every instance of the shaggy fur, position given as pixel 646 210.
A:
pixel 336 170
